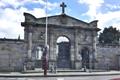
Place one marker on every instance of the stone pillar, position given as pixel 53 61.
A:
pixel 94 45
pixel 77 60
pixel 72 51
pixel 30 43
pixel 94 54
pixel 29 63
pixel 52 54
pixel 94 35
pixel 29 46
pixel 76 44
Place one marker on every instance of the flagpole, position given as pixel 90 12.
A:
pixel 45 66
pixel 46 26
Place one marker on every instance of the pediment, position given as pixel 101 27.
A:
pixel 60 20
pixel 63 20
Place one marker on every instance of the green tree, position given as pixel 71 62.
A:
pixel 109 36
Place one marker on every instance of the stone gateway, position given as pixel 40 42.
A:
pixel 78 53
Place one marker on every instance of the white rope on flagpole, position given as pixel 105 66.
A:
pixel 46 28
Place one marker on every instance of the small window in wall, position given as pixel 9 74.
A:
pixel 39 52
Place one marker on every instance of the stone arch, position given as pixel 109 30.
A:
pixel 58 40
pixel 85 55
pixel 63 52
pixel 64 36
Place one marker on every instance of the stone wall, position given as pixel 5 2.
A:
pixel 108 57
pixel 11 54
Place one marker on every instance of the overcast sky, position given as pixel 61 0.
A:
pixel 11 13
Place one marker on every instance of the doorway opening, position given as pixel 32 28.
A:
pixel 85 58
pixel 63 52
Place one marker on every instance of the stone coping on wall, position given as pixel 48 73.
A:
pixel 109 45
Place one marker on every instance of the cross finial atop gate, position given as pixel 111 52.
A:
pixel 63 5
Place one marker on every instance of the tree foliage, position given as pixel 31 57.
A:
pixel 109 36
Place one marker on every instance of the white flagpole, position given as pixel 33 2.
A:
pixel 46 26
pixel 45 51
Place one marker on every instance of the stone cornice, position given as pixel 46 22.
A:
pixel 27 24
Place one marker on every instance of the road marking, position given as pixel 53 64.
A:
pixel 60 78
pixel 116 79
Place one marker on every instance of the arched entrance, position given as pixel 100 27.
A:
pixel 85 57
pixel 63 52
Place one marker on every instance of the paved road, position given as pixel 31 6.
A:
pixel 65 78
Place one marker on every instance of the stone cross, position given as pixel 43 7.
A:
pixel 63 7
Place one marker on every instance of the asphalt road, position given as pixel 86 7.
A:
pixel 109 77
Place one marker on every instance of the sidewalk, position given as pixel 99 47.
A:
pixel 59 74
